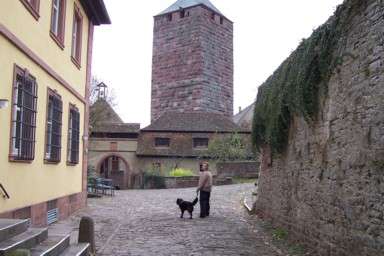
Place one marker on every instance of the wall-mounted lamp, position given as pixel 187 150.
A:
pixel 3 103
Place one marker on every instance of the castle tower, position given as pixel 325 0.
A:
pixel 192 65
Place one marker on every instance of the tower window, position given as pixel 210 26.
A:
pixel 182 14
pixel 169 17
pixel 213 16
pixel 221 20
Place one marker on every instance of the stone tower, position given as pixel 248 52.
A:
pixel 192 65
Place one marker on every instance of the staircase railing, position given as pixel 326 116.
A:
pixel 5 193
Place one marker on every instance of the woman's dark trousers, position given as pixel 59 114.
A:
pixel 204 203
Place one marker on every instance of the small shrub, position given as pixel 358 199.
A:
pixel 180 172
pixel 280 234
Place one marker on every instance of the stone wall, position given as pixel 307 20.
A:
pixel 327 188
pixel 192 67
pixel 248 169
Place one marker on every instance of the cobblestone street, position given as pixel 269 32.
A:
pixel 146 222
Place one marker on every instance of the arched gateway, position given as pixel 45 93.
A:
pixel 115 167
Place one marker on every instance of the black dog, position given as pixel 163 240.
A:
pixel 186 206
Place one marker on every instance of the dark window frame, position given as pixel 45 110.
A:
pixel 53 128
pixel 77 45
pixel 58 37
pixel 200 143
pixel 73 145
pixel 33 6
pixel 23 118
pixel 161 142
pixel 182 14
pixel 169 17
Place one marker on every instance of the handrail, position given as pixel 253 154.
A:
pixel 6 195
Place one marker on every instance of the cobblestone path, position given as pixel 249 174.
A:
pixel 146 222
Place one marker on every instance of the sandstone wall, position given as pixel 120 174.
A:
pixel 248 169
pixel 192 66
pixel 327 188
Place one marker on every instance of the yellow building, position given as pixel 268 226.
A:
pixel 45 68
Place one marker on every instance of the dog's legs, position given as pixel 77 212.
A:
pixel 191 215
pixel 182 214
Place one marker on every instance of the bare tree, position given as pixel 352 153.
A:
pixel 100 98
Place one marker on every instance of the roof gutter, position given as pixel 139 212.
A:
pixel 96 11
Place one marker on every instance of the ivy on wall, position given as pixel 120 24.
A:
pixel 296 87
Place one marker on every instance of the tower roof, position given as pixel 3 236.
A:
pixel 189 3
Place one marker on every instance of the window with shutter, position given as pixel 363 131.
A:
pixel 53 127
pixel 24 109
pixel 73 135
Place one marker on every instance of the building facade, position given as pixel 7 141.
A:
pixel 112 147
pixel 192 66
pixel 46 51
pixel 181 140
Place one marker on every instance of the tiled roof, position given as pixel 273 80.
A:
pixel 105 112
pixel 181 4
pixel 117 128
pixel 193 122
pixel 244 118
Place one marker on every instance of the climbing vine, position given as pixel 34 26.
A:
pixel 296 87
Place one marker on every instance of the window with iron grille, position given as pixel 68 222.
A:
pixel 24 109
pixel 200 142
pixel 53 127
pixel 73 135
pixel 162 142
pixel 76 36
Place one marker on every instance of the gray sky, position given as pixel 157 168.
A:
pixel 265 33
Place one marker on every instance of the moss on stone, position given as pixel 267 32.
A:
pixel 296 87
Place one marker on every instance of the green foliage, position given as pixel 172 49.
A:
pixel 154 179
pixel 180 172
pixel 296 87
pixel 229 148
pixel 279 234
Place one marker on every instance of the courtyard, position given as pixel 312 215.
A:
pixel 147 222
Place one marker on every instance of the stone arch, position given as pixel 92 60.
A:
pixel 121 177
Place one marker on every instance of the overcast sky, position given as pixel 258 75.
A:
pixel 265 33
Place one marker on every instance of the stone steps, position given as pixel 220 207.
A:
pixel 27 239
pixel 77 250
pixel 10 228
pixel 53 245
pixel 16 234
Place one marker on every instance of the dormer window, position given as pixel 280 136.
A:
pixel 33 7
pixel 213 16
pixel 182 14
pixel 169 17
pixel 162 142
